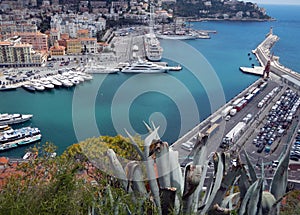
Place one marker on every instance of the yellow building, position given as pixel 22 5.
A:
pixel 73 46
pixel 13 53
pixel 57 50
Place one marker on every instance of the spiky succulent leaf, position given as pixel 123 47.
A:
pixel 243 207
pixel 227 181
pixel 150 167
pixel 232 199
pixel 250 168
pixel 254 204
pixel 279 182
pixel 135 177
pixel 217 183
pixel 196 194
pixel 118 170
pixel 200 151
pixel 176 174
pixel 136 146
pixel 163 165
pixel 244 183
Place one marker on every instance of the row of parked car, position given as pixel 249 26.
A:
pixel 295 151
pixel 278 120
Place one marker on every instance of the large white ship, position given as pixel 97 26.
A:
pixel 152 47
pixel 143 67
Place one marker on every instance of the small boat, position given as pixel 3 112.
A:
pixel 29 87
pixel 38 86
pixel 7 87
pixel 7 146
pixel 75 81
pixel 4 127
pixel 55 82
pixel 32 139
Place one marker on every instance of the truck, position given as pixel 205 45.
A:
pixel 213 129
pixel 233 112
pixel 256 91
pixel 226 111
pixel 216 119
pixel 237 101
pixel 249 98
pixel 233 135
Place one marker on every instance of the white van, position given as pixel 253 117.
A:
pixel 187 146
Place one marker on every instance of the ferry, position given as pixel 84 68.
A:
pixel 9 119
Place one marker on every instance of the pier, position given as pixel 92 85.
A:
pixel 263 55
pixel 281 77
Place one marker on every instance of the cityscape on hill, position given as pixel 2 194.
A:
pixel 149 107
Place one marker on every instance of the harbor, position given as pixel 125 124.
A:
pixel 242 125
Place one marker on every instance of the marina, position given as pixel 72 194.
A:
pixel 18 137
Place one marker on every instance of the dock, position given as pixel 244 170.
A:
pixel 263 55
pixel 256 70
pixel 280 77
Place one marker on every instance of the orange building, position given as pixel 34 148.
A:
pixel 57 50
pixel 38 40
pixel 82 33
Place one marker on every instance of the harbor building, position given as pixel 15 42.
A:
pixel 82 33
pixel 57 50
pixel 13 53
pixel 88 45
pixel 38 40
pixel 73 46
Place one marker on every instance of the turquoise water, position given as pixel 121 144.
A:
pixel 176 101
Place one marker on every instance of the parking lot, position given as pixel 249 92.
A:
pixel 270 136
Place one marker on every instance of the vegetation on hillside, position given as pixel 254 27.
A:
pixel 72 184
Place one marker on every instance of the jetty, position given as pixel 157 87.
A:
pixel 263 55
pixel 256 70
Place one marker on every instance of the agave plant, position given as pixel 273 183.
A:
pixel 176 191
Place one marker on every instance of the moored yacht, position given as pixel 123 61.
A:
pixel 152 47
pixel 9 119
pixel 13 138
pixel 143 67
pixel 29 87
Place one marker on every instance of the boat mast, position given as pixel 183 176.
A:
pixel 151 23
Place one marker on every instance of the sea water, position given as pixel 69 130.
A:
pixel 175 101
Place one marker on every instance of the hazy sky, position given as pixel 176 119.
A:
pixel 275 1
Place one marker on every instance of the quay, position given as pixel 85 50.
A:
pixel 256 70
pixel 280 77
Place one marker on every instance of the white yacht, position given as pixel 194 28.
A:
pixel 8 119
pixel 55 82
pixel 37 86
pixel 152 47
pixel 143 67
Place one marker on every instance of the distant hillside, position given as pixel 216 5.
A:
pixel 217 9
